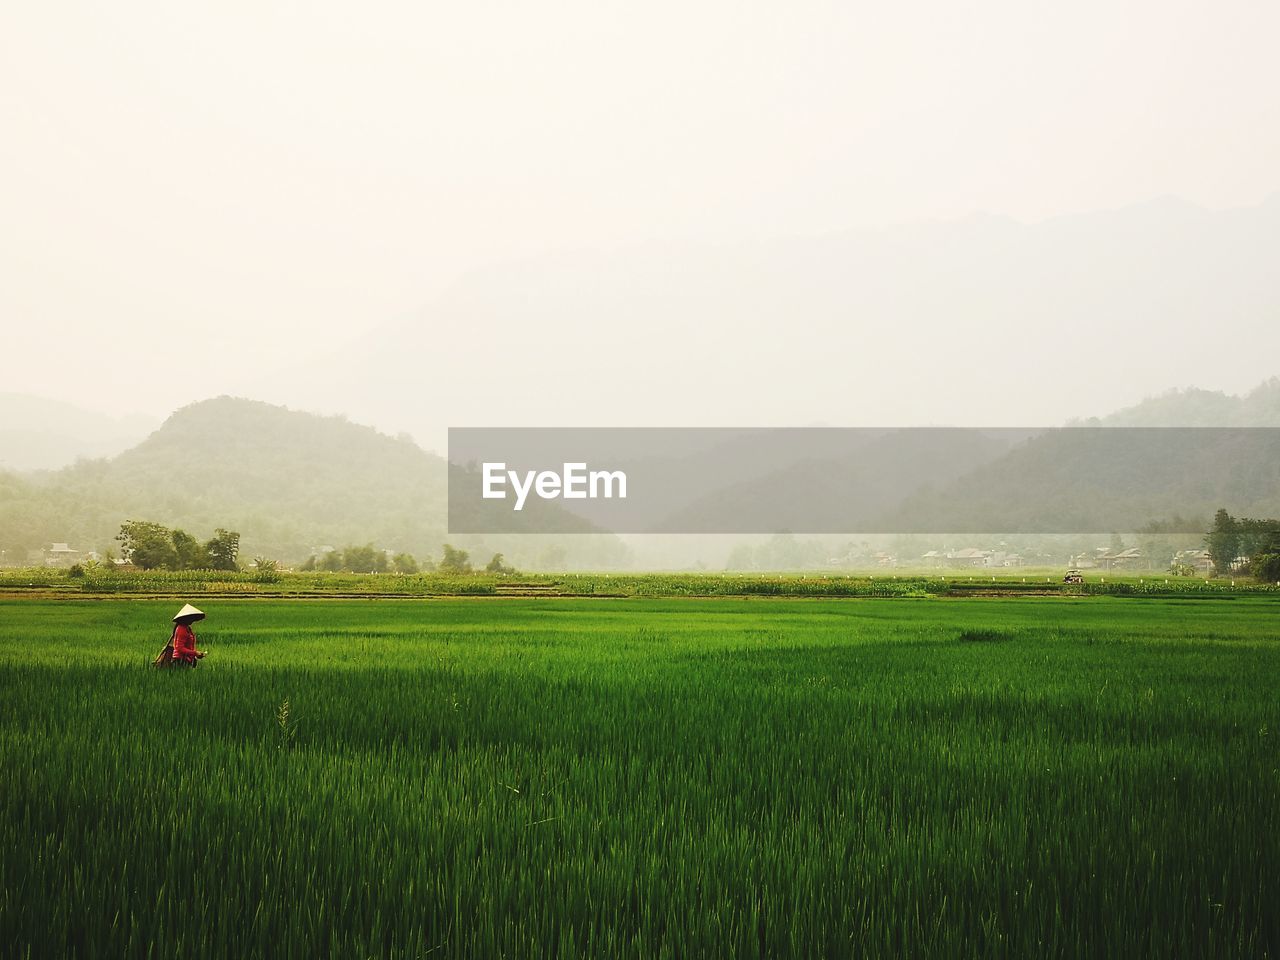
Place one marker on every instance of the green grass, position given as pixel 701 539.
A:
pixel 643 778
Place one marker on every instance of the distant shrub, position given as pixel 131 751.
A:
pixel 265 570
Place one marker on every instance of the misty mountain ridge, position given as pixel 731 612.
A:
pixel 39 433
pixel 1074 478
pixel 281 477
pixel 978 321
pixel 1192 407
pixel 988 320
pixel 290 482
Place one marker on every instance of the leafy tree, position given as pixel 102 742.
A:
pixel 360 559
pixel 151 545
pixel 405 563
pixel 1266 567
pixel 223 549
pixel 455 561
pixel 498 565
pixel 1223 542
pixel 1258 536
pixel 309 565
pixel 147 545
pixel 1260 542
pixel 189 553
pixel 332 561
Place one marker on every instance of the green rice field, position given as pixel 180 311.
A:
pixel 612 778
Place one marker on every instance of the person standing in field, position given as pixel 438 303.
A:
pixel 183 641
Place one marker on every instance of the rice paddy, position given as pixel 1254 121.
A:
pixel 995 777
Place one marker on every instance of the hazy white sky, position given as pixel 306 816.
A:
pixel 240 186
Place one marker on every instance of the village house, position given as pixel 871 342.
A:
pixel 60 555
pixel 1197 560
pixel 1001 558
pixel 1123 560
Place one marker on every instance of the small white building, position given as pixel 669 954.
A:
pixel 968 557
pixel 60 555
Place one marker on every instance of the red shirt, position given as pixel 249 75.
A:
pixel 184 643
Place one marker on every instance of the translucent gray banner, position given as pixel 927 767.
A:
pixel 858 480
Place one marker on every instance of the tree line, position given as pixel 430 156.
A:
pixel 368 559
pixel 1257 541
pixel 148 545
pixel 151 546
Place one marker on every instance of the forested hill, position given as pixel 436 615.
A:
pixel 290 481
pixel 1059 481
pixel 1260 407
pixel 1109 480
pixel 287 480
pixel 242 451
pixel 1066 475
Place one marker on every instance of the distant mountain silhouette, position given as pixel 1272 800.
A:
pixel 1107 480
pixel 1150 463
pixel 1109 476
pixel 982 321
pixel 289 481
pixel 1191 407
pixel 37 433
pixel 854 492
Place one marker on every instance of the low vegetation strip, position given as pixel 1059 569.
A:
pixel 183 583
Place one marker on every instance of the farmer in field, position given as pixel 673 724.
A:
pixel 184 653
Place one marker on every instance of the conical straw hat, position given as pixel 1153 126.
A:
pixel 189 613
